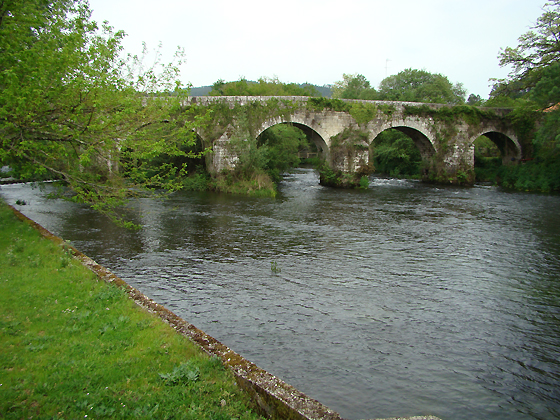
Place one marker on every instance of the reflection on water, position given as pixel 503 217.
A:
pixel 404 299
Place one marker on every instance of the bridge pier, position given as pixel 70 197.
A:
pixel 222 158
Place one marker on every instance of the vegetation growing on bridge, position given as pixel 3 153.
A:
pixel 530 89
pixel 261 161
pixel 393 152
pixel 446 119
pixel 362 112
pixel 262 157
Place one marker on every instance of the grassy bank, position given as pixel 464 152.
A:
pixel 75 347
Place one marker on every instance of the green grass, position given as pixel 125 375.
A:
pixel 72 346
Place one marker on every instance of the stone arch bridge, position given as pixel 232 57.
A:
pixel 344 129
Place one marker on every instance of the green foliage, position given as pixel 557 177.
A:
pixel 74 347
pixel 449 115
pixel 319 104
pixel 353 86
pixel 327 176
pixel 537 175
pixel 274 267
pixel 185 373
pixel 349 137
pixel 198 181
pixel 475 100
pixel 395 154
pixel 386 109
pixel 247 119
pixel 262 161
pixel 255 183
pixel 548 134
pixel 484 147
pixel 72 109
pixel 547 94
pixel 486 169
pixel 280 145
pixel 537 50
pixel 363 113
pixel 547 90
pixel 533 85
pixel 364 182
pixel 420 86
pixel 263 87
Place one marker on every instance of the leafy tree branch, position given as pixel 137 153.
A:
pixel 72 108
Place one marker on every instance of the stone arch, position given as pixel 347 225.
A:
pixel 508 144
pixel 312 134
pixel 421 137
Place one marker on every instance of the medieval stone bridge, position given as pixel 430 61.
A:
pixel 444 134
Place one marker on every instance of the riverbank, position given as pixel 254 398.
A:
pixel 75 347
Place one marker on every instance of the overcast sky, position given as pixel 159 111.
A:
pixel 316 41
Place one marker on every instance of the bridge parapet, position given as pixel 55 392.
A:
pixel 243 100
pixel 239 100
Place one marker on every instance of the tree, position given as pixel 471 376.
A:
pixel 546 92
pixel 281 144
pixel 535 76
pixel 532 89
pixel 72 109
pixel 537 49
pixel 393 151
pixel 263 87
pixel 474 100
pixel 353 86
pixel 421 86
pixel 547 95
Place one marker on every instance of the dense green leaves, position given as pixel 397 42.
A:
pixel 280 145
pixel 353 86
pixel 421 86
pixel 263 87
pixel 547 90
pixel 71 107
pixel 533 89
pixel 395 153
pixel 409 85
pixel 538 49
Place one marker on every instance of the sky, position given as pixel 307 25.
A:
pixel 317 41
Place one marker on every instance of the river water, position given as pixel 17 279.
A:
pixel 403 299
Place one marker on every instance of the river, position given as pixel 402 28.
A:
pixel 403 299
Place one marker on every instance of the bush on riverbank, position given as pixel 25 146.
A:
pixel 74 347
pixel 531 176
pixel 255 183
